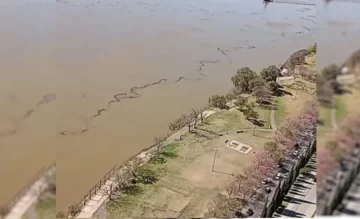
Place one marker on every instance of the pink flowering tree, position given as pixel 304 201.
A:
pixel 309 114
pixel 282 138
pixel 326 164
pixel 264 163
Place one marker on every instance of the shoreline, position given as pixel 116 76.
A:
pixel 31 196
pixel 88 207
pixel 144 155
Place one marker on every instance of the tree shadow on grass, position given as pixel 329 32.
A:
pixel 257 122
pixel 198 134
pixel 132 190
pixel 282 92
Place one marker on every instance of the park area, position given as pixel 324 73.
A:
pixel 197 168
pixel 219 155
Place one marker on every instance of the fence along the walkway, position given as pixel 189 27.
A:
pixel 26 188
pixel 97 186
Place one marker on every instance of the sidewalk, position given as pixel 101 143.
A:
pixel 301 198
pixel 30 197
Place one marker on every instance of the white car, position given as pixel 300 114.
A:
pixel 278 176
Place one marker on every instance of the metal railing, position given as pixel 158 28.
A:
pixel 97 187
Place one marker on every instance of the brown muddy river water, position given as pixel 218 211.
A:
pixel 62 62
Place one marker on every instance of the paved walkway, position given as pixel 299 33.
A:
pixel 301 197
pixel 31 196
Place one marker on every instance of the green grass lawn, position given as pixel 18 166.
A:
pixel 325 117
pixel 280 113
pixel 341 112
pixel 225 120
pixel 264 115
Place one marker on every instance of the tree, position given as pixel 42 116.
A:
pixel 73 210
pixel 325 91
pixel 308 114
pixel 195 115
pixel 251 114
pixel 146 175
pixel 270 73
pixel 241 102
pixel 176 125
pixel 218 101
pixel 271 146
pixel 230 96
pixel 223 207
pixel 122 180
pixel 251 183
pixel 187 120
pixel 278 156
pixel 262 94
pixel 157 142
pixel 255 83
pixel 133 166
pixel 60 215
pixel 286 141
pixel 264 163
pixel 331 72
pixel 242 79
pixel 110 191
pixel 273 87
pixel 201 110
pixel 326 164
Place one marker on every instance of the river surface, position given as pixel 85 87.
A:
pixel 65 61
pixel 338 33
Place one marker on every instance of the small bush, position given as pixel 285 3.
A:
pixel 73 210
pixel 146 175
pixel 170 151
pixel 60 215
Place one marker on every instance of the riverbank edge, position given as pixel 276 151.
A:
pixel 89 209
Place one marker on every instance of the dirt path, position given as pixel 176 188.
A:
pixel 31 196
